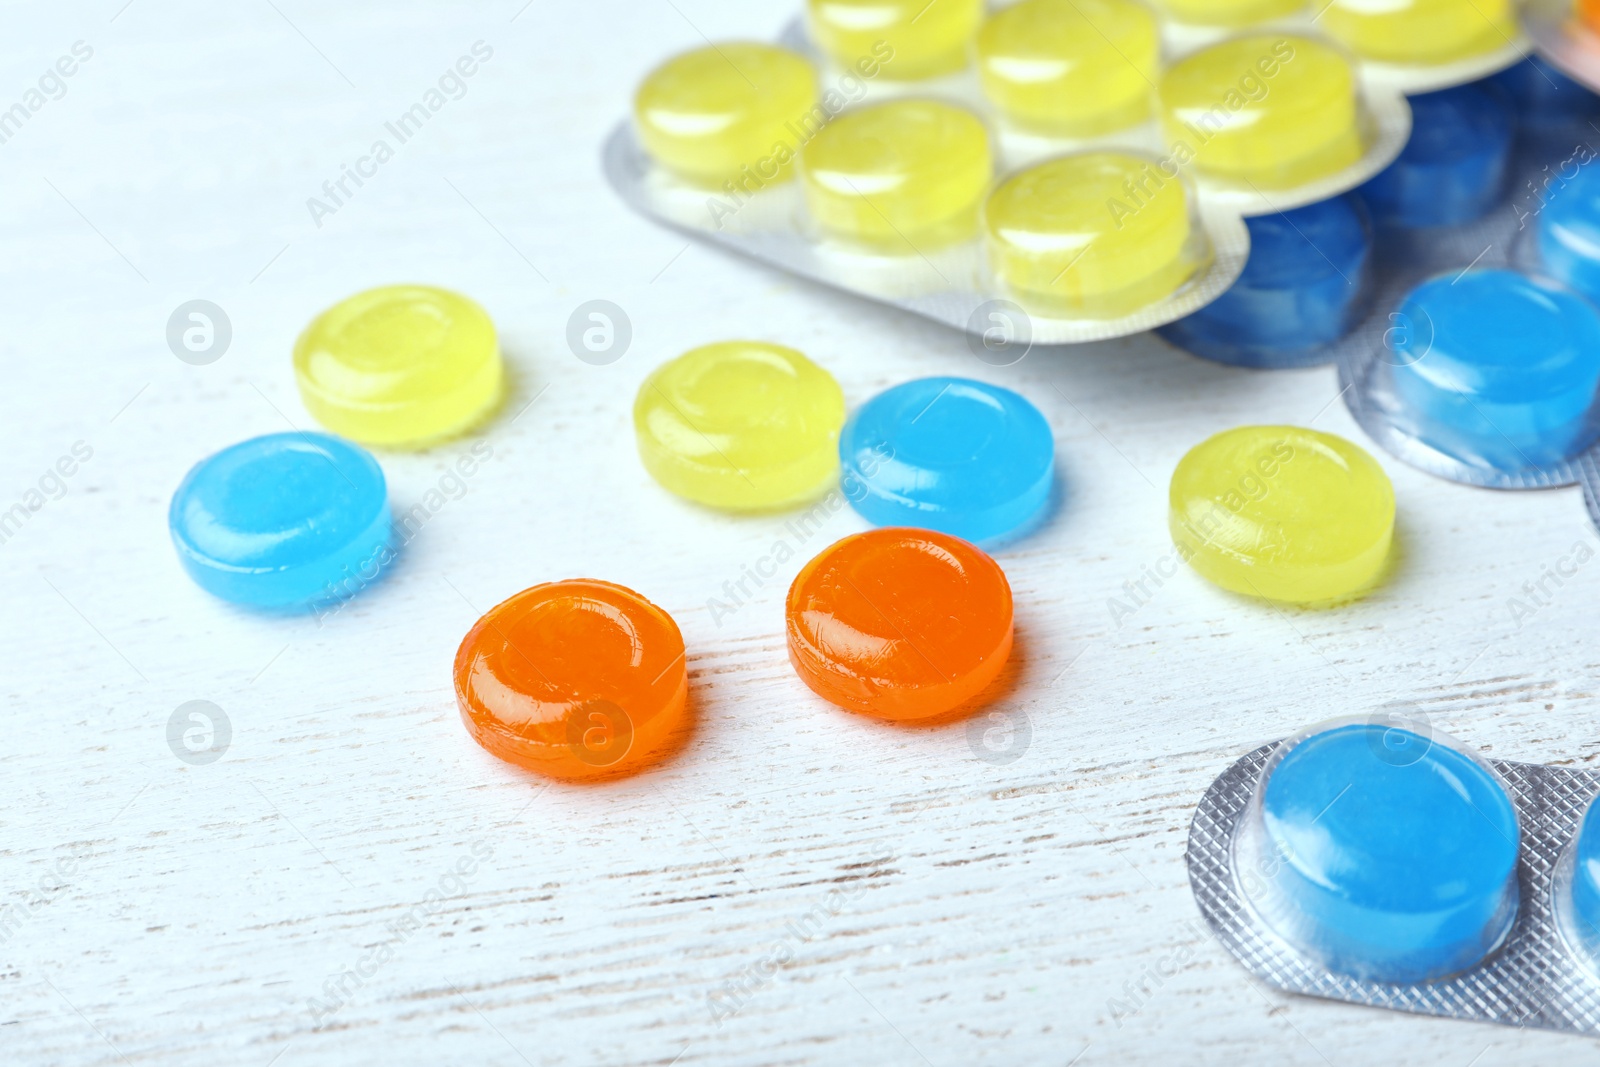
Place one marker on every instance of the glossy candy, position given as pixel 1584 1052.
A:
pixel 1497 370
pixel 900 624
pixel 1074 68
pixel 402 366
pixel 1544 96
pixel 1568 228
pixel 577 680
pixel 1300 291
pixel 1271 110
pixel 902 177
pixel 283 520
pixel 1068 239
pixel 1454 167
pixel 740 425
pixel 1583 886
pixel 949 454
pixel 1230 13
pixel 1397 852
pixel 1283 513
pixel 913 39
pixel 727 112
pixel 1420 31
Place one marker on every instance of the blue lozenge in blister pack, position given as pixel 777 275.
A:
pixel 1480 361
pixel 1379 861
pixel 1301 290
pixel 1453 168
pixel 1491 371
pixel 1578 888
pixel 1375 896
pixel 1544 96
pixel 285 520
pixel 1563 241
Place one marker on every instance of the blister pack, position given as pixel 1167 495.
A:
pixel 1589 478
pixel 1479 357
pixel 1378 861
pixel 1074 169
pixel 1567 32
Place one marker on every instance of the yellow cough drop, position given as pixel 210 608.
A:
pixel 1231 13
pixel 1272 111
pixel 1421 31
pixel 912 39
pixel 1283 513
pixel 1098 235
pixel 727 112
pixel 1074 68
pixel 401 366
pixel 740 425
pixel 902 177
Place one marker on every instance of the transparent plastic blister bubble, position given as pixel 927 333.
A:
pixel 1377 861
pixel 1480 359
pixel 1488 376
pixel 1086 162
pixel 1567 32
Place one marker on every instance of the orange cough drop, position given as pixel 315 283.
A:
pixel 577 680
pixel 900 624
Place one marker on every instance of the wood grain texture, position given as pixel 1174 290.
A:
pixel 799 886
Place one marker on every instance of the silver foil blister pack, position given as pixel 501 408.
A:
pixel 1589 478
pixel 1535 978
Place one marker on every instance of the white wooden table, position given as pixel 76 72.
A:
pixel 800 885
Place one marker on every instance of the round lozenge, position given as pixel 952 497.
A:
pixel 1454 166
pixel 578 679
pixel 903 176
pixel 1567 231
pixel 1272 110
pixel 740 425
pixel 950 454
pixel 1496 369
pixel 730 112
pixel 283 520
pixel 1231 13
pixel 1387 854
pixel 1544 96
pixel 1420 31
pixel 1098 235
pixel 1072 68
pixel 1301 289
pixel 900 624
pixel 1283 513
pixel 1580 911
pixel 910 39
pixel 402 366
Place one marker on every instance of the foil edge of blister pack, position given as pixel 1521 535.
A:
pixel 1498 239
pixel 790 244
pixel 1572 48
pixel 1589 479
pixel 1534 979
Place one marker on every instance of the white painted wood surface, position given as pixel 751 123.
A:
pixel 979 913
